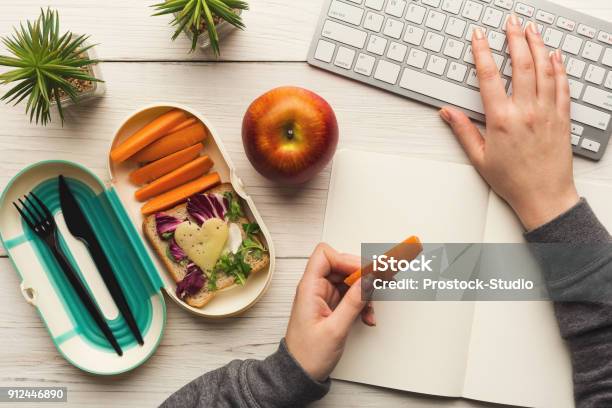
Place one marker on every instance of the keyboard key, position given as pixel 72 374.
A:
pixel 586 30
pixel 455 27
pixel 472 10
pixel 325 51
pixel 469 56
pixel 396 7
pixel 414 35
pixel 608 82
pixel 472 79
pixel 344 34
pixel 432 3
pixel 365 64
pixel 397 52
pixel 598 97
pixel 506 4
pixel 575 67
pixel 344 58
pixel 393 28
pixel 416 14
pixel 508 68
pixel 590 116
pixel 436 65
pixel 356 1
pixel 605 37
pixel 595 74
pixel 577 129
pixel 435 20
pixel 373 22
pixel 345 12
pixel 442 90
pixel 590 145
pixel 492 17
pixel 453 48
pixel 524 10
pixel 433 42
pixel 377 45
pixel 572 44
pixel 375 4
pixel 470 31
pixel 416 58
pixel 553 37
pixel 545 17
pixel 566 24
pixel 387 72
pixel 452 6
pixel 499 60
pixel 592 51
pixel 575 88
pixel 575 139
pixel 456 71
pixel 496 40
pixel 607 58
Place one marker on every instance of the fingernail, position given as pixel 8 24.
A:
pixel 478 34
pixel 514 20
pixel 445 114
pixel 558 56
pixel 532 28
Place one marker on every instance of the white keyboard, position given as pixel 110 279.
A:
pixel 421 49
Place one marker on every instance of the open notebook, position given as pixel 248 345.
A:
pixel 503 352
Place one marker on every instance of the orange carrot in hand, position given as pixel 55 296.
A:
pixel 180 176
pixel 147 135
pixel 408 249
pixel 180 194
pixel 165 165
pixel 172 143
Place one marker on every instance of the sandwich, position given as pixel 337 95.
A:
pixel 207 244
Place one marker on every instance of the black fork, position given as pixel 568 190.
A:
pixel 41 221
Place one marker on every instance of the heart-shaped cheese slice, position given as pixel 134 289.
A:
pixel 202 245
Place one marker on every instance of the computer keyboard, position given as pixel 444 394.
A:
pixel 421 49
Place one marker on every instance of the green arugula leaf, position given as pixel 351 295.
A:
pixel 234 211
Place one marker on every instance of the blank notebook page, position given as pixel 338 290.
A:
pixel 416 346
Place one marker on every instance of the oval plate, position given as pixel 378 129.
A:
pixel 226 303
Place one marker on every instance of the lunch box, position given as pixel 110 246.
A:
pixel 116 219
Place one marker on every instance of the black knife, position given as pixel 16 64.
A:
pixel 80 228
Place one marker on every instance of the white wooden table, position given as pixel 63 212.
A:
pixel 141 66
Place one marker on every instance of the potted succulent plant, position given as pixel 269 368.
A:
pixel 205 21
pixel 50 69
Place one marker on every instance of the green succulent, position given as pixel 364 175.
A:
pixel 44 63
pixel 195 16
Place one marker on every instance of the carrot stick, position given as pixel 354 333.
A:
pixel 147 135
pixel 172 143
pixel 165 165
pixel 183 174
pixel 401 251
pixel 183 125
pixel 173 197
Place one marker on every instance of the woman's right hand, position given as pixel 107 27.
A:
pixel 526 154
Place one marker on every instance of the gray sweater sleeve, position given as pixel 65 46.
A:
pixel 586 327
pixel 277 381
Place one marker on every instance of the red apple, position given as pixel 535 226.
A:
pixel 289 134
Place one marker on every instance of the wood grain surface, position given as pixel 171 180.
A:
pixel 142 66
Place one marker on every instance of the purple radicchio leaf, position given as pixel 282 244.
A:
pixel 203 207
pixel 166 225
pixel 192 282
pixel 175 252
